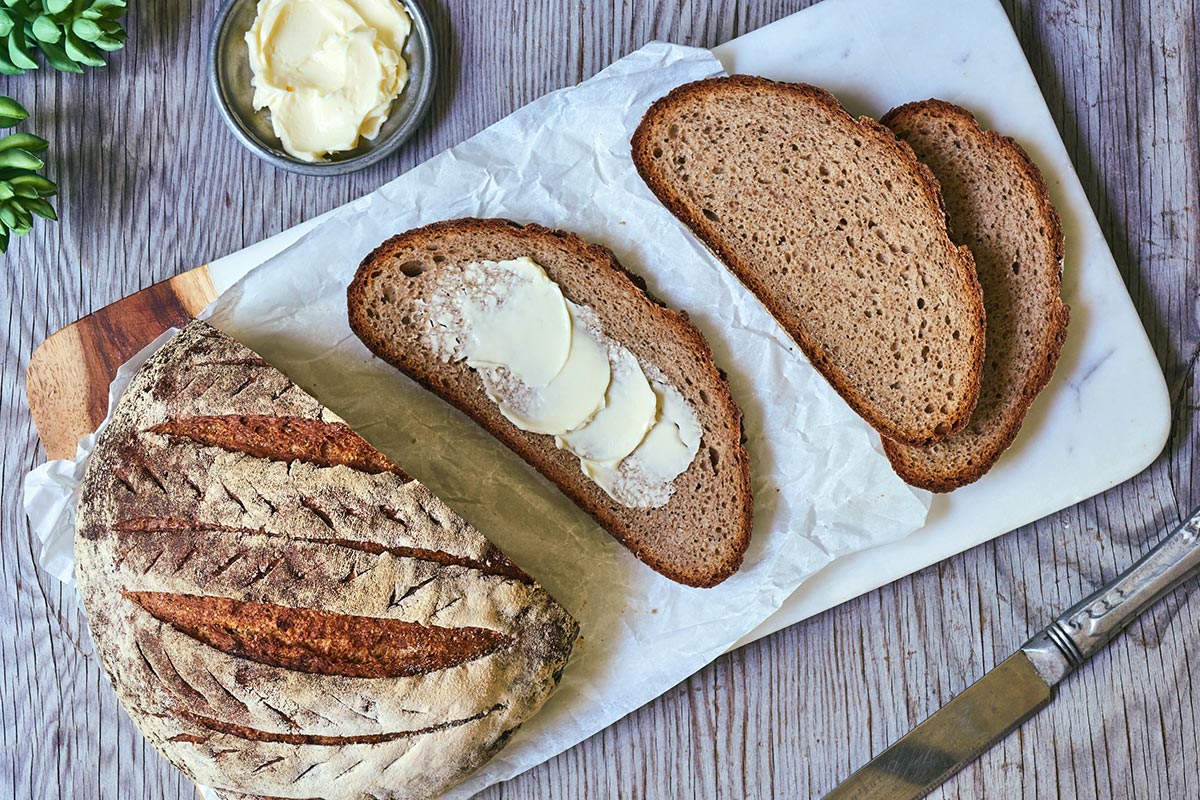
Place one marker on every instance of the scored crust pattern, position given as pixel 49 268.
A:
pixel 282 611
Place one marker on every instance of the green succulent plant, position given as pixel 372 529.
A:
pixel 23 191
pixel 71 34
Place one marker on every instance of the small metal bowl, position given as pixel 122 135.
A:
pixel 229 73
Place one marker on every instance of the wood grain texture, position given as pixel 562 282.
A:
pixel 152 185
pixel 69 374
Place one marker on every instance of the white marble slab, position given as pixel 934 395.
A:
pixel 1105 415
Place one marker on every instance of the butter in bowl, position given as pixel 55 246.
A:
pixel 322 87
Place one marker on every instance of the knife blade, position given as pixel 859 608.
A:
pixel 1025 682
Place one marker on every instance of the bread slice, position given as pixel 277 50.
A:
pixel 839 231
pixel 998 206
pixel 699 537
pixel 282 610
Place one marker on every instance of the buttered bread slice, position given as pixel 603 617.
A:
pixel 550 345
pixel 839 231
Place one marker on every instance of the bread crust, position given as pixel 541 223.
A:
pixel 458 385
pixel 643 143
pixel 288 613
pixel 1007 149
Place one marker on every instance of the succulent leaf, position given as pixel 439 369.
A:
pixel 23 191
pixel 71 34
pixel 46 29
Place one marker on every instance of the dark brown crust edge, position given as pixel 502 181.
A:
pixel 1060 314
pixel 964 265
pixel 680 325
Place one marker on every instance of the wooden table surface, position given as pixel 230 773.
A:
pixel 152 183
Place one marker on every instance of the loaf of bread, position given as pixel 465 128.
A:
pixel 999 208
pixel 840 232
pixel 697 538
pixel 282 611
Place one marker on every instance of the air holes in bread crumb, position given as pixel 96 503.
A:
pixel 658 152
pixel 710 214
pixel 412 268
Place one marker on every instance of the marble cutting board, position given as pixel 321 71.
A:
pixel 1105 415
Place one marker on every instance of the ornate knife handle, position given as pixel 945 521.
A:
pixel 1091 624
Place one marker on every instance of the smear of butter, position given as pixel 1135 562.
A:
pixel 549 367
pixel 643 479
pixel 673 440
pixel 567 401
pixel 527 330
pixel 629 411
pixel 327 69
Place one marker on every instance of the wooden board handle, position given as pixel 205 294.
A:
pixel 69 373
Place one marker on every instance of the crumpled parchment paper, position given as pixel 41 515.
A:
pixel 822 487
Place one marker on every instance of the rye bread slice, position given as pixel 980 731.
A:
pixel 701 535
pixel 839 231
pixel 999 207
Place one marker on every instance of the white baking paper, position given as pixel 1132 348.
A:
pixel 52 490
pixel 822 486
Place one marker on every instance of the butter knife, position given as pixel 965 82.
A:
pixel 1025 682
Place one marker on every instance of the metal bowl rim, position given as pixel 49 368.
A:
pixel 344 166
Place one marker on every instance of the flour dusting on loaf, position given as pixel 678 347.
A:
pixel 285 613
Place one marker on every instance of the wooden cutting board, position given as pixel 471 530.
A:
pixel 69 374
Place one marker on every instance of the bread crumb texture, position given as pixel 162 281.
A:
pixel 836 227
pixel 998 207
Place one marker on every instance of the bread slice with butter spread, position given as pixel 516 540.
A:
pixel 432 302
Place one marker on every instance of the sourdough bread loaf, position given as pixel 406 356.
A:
pixel 998 207
pixel 697 538
pixel 282 611
pixel 837 228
